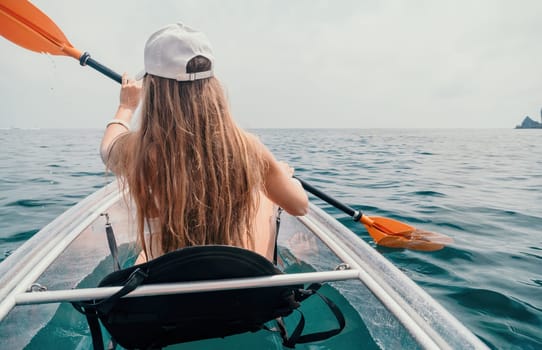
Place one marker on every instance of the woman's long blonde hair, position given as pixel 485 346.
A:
pixel 189 167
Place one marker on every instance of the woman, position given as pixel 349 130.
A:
pixel 195 177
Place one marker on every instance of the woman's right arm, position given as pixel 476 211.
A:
pixel 282 188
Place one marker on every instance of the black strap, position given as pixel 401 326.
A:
pixel 290 341
pixel 303 294
pixel 277 227
pixel 95 330
pixel 112 245
pixel 297 337
pixel 317 336
pixel 136 278
pixel 92 309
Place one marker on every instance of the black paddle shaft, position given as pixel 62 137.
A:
pixel 355 214
pixel 85 60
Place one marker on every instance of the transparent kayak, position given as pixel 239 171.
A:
pixel 65 261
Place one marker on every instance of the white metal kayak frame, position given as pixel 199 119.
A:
pixel 21 269
pixel 184 287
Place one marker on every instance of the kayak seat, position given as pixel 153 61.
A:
pixel 153 322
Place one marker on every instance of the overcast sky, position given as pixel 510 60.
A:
pixel 359 63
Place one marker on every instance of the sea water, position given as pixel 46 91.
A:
pixel 480 187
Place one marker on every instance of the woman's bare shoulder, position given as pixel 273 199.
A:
pixel 117 150
pixel 252 138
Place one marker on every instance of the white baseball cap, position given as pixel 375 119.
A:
pixel 168 51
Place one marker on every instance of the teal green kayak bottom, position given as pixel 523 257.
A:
pixel 68 328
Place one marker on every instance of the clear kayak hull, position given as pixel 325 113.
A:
pixel 383 307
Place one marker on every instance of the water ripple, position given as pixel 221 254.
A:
pixel 29 203
pixel 18 237
pixel 428 193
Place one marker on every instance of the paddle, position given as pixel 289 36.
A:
pixel 25 25
pixel 386 232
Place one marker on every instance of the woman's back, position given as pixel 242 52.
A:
pixel 189 168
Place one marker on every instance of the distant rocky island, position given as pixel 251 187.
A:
pixel 528 123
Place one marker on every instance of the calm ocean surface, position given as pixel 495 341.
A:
pixel 481 187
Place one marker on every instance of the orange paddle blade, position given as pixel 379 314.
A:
pixel 25 25
pixel 394 234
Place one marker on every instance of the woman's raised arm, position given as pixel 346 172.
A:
pixel 130 95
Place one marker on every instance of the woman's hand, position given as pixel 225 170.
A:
pixel 130 93
pixel 289 171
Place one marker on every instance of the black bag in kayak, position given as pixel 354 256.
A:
pixel 152 322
